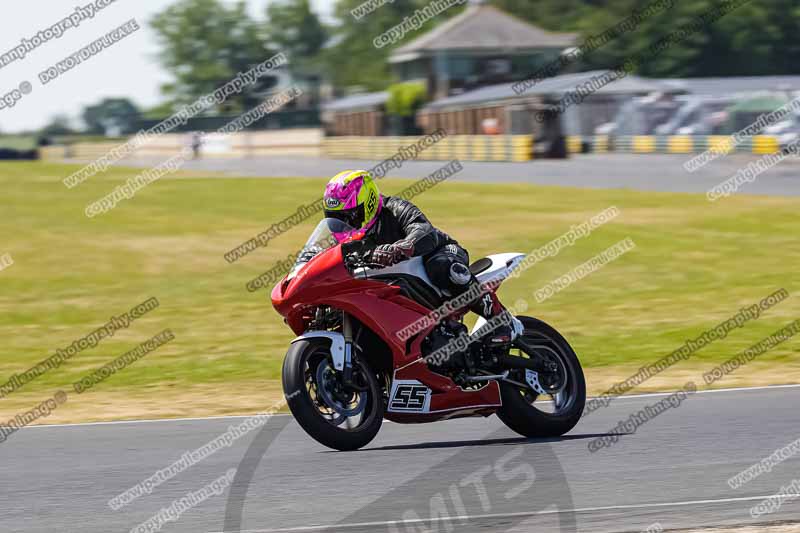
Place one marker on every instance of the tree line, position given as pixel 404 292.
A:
pixel 205 43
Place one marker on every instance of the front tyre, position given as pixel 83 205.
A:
pixel 337 416
pixel 527 412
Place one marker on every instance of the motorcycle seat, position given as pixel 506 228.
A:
pixel 480 265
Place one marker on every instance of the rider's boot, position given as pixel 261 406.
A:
pixel 504 331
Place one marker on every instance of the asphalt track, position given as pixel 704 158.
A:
pixel 651 172
pixel 672 471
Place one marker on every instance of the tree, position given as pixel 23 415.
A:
pixel 757 38
pixel 205 45
pixel 206 42
pixel 59 125
pixel 750 40
pixel 160 111
pixel 555 15
pixel 292 27
pixel 111 116
pixel 406 98
pixel 354 59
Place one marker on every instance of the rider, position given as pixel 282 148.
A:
pixel 398 230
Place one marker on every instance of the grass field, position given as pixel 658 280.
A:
pixel 695 264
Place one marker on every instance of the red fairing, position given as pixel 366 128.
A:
pixel 448 400
pixel 325 273
pixel 326 281
pixel 382 308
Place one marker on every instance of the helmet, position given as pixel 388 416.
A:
pixel 353 197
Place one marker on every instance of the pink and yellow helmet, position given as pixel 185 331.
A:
pixel 353 197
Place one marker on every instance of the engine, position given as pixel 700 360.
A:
pixel 443 337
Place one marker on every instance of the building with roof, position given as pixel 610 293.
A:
pixel 526 113
pixel 470 64
pixel 480 46
pixel 735 85
pixel 359 114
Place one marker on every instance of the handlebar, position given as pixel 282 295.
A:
pixel 354 261
pixel 359 257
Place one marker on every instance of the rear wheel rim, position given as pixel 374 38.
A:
pixel 564 395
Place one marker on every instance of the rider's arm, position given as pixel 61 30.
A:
pixel 420 235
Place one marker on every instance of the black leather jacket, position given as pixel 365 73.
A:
pixel 403 223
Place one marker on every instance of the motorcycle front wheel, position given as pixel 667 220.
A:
pixel 336 415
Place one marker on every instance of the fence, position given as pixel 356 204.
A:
pixel 291 142
pixel 312 143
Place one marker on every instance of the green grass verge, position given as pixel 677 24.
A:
pixel 18 142
pixel 694 265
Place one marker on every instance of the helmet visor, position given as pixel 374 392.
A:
pixel 352 217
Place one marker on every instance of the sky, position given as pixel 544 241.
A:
pixel 130 68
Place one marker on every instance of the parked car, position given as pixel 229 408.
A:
pixel 699 115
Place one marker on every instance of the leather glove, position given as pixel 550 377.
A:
pixel 390 254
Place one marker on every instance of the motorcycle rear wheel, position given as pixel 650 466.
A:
pixel 332 416
pixel 519 411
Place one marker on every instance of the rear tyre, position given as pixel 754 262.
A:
pixel 336 417
pixel 519 411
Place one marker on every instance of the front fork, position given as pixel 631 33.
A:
pixel 347 333
pixel 341 349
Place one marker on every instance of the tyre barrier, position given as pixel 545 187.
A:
pixel 463 147
pixel 672 144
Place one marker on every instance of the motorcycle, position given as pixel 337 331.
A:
pixel 348 368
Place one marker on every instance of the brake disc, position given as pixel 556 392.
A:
pixel 326 381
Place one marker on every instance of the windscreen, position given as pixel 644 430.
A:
pixel 323 237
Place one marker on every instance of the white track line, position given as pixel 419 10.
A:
pixel 231 417
pixel 336 527
pixel 709 391
pixel 148 421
